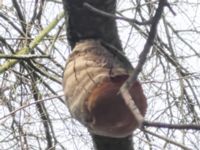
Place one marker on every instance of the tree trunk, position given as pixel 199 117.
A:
pixel 92 79
pixel 94 74
pixel 107 143
pixel 82 23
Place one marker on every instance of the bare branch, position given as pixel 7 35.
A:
pixel 28 105
pixel 24 57
pixel 124 90
pixel 171 126
pixel 103 13
pixel 168 140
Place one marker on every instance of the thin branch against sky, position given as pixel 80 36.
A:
pixel 170 75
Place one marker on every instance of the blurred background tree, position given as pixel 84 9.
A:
pixel 32 110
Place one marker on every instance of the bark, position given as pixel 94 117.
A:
pixel 107 143
pixel 82 23
pixel 92 79
pixel 94 73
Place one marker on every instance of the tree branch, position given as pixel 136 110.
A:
pixel 171 126
pixel 25 50
pixel 124 90
pixel 24 57
pixel 103 13
pixel 167 139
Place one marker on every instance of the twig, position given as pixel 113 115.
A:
pixel 167 140
pixel 33 103
pixel 148 44
pixel 171 126
pixel 170 8
pixel 103 13
pixel 124 90
pixel 4 56
pixel 27 49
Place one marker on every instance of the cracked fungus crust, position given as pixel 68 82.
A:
pixel 92 79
